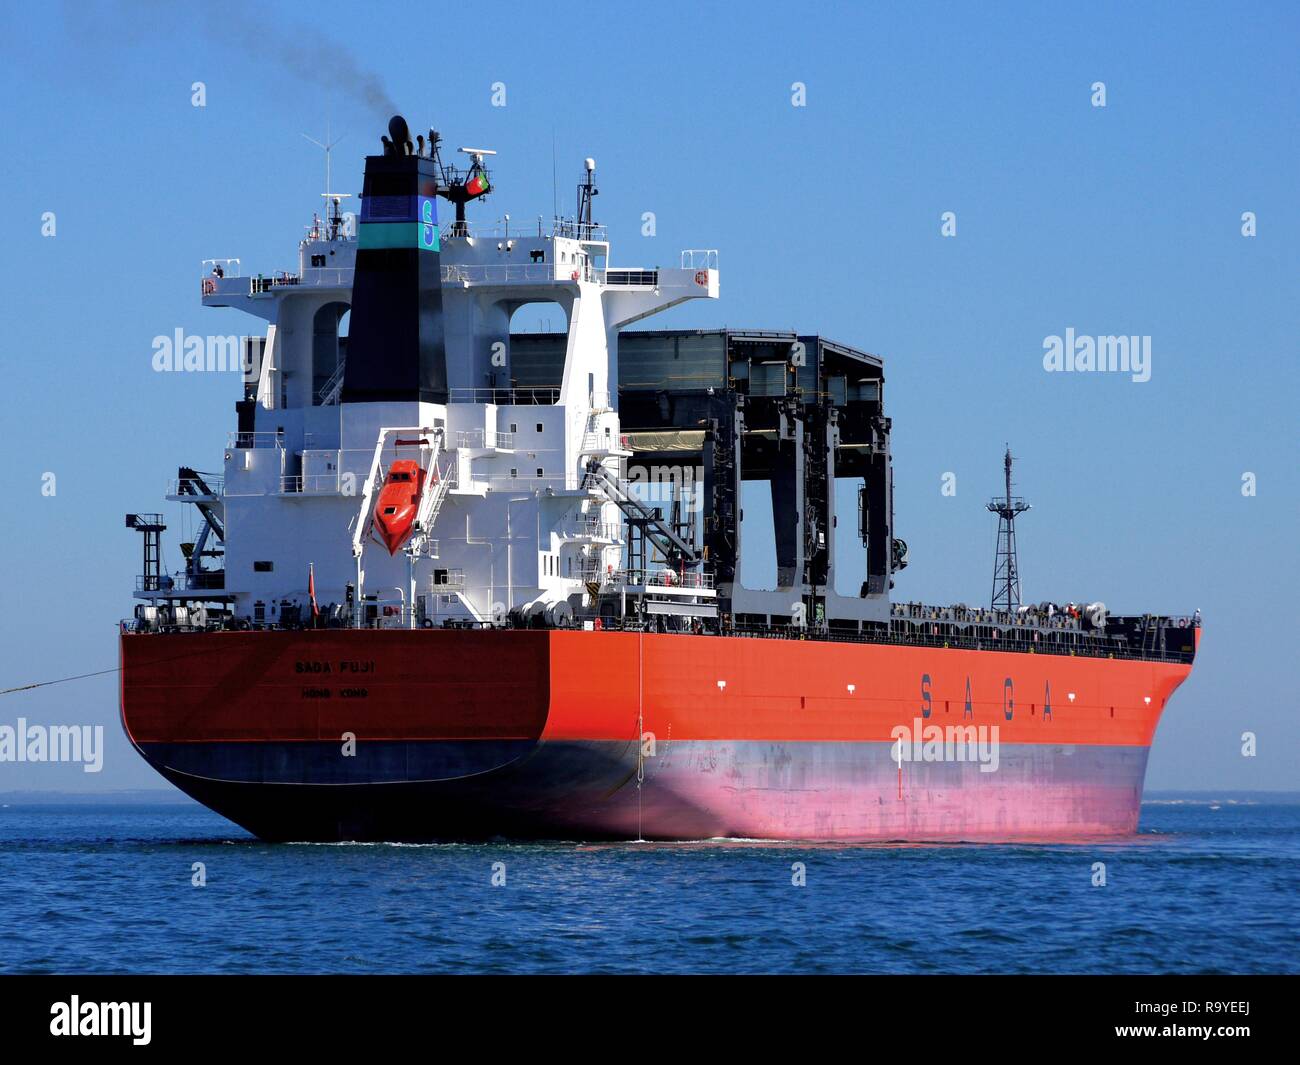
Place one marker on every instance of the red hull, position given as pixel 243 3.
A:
pixel 539 730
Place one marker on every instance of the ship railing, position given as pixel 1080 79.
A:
pixel 596 529
pixel 235 284
pixel 335 471
pixel 582 231
pixel 255 440
pixel 263 283
pixel 994 631
pixel 221 277
pixel 328 484
pixel 632 278
pixel 447 580
pixel 204 580
pixel 325 444
pixel 500 273
pixel 699 259
pixel 210 485
pixel 531 397
pixel 560 483
pixel 502 227
pixel 963 615
pixel 661 578
pixel 1150 622
pixel 596 444
pixel 426 548
pixel 228 267
pixel 329 276
pixel 1078 644
pixel 482 438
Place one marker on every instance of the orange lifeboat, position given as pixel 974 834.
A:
pixel 399 502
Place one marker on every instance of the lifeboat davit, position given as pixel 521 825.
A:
pixel 399 502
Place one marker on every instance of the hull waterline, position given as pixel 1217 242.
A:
pixel 460 735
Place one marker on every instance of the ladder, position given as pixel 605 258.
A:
pixel 676 550
pixel 432 498
pixel 331 389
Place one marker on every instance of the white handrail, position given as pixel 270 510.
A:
pixel 700 259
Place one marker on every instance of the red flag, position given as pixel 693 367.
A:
pixel 311 589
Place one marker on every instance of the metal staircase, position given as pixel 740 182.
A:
pixel 331 389
pixel 432 498
pixel 648 520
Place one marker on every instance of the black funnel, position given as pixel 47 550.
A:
pixel 396 349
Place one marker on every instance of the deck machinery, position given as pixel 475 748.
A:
pixel 704 411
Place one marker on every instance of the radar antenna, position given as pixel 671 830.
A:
pixel 587 191
pixel 458 186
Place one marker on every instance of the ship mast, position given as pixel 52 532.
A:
pixel 458 186
pixel 1006 571
pixel 327 146
pixel 333 200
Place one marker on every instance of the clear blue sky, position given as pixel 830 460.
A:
pixel 1122 220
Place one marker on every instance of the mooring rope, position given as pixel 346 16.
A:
pixel 61 680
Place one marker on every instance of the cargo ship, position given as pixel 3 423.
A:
pixel 458 580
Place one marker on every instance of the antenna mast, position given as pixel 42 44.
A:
pixel 1006 571
pixel 333 213
pixel 327 146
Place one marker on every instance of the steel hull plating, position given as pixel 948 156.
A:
pixel 468 735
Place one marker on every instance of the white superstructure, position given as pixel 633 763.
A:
pixel 513 518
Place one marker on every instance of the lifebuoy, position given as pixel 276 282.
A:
pixel 574 276
pixel 702 277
